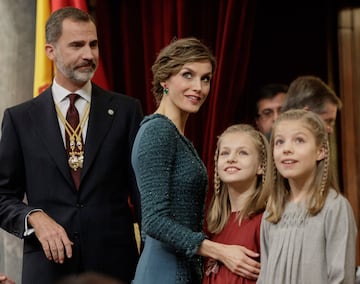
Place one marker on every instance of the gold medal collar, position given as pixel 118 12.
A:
pixel 76 154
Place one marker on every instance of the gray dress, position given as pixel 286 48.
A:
pixel 305 249
pixel 172 181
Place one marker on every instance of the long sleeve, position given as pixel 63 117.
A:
pixel 340 228
pixel 12 180
pixel 172 181
pixel 264 249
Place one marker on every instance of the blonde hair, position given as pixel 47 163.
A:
pixel 219 208
pixel 324 179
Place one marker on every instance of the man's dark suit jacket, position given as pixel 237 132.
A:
pixel 97 218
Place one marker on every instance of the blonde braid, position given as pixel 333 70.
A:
pixel 263 159
pixel 326 168
pixel 217 183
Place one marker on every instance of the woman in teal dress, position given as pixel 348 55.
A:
pixel 171 177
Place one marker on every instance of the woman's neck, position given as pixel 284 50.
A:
pixel 177 117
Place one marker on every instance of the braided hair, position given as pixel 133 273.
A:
pixel 220 209
pixel 324 179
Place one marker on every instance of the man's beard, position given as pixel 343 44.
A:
pixel 76 75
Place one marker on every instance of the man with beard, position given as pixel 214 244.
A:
pixel 68 151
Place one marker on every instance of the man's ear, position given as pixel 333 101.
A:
pixel 49 50
pixel 257 122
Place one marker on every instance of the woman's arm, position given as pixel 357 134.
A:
pixel 158 146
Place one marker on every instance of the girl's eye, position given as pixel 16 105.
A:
pixel 299 140
pixel 278 142
pixel 224 153
pixel 206 79
pixel 243 153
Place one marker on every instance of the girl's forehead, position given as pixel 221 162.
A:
pixel 235 136
pixel 292 126
pixel 237 139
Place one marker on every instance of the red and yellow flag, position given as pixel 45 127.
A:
pixel 57 4
pixel 43 69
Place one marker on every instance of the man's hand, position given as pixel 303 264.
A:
pixel 52 236
pixel 5 280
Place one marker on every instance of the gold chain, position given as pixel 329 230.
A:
pixel 76 158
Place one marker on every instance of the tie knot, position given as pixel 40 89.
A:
pixel 73 98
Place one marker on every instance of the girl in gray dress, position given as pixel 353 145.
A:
pixel 308 233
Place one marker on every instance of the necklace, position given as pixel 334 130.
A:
pixel 76 153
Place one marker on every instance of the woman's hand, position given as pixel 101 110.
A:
pixel 238 259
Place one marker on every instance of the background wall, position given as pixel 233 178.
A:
pixel 17 22
pixel 292 39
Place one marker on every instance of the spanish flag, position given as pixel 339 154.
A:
pixel 57 4
pixel 43 70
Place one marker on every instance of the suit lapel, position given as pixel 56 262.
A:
pixel 43 115
pixel 100 120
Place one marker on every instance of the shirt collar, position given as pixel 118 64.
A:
pixel 60 93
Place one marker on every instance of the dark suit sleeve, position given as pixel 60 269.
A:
pixel 12 179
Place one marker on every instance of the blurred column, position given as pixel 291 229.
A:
pixel 17 22
pixel 349 74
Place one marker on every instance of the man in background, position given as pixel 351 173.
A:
pixel 270 99
pixel 312 93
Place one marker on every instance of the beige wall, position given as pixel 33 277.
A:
pixel 17 22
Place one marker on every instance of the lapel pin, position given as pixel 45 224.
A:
pixel 111 111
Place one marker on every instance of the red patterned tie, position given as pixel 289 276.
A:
pixel 72 116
